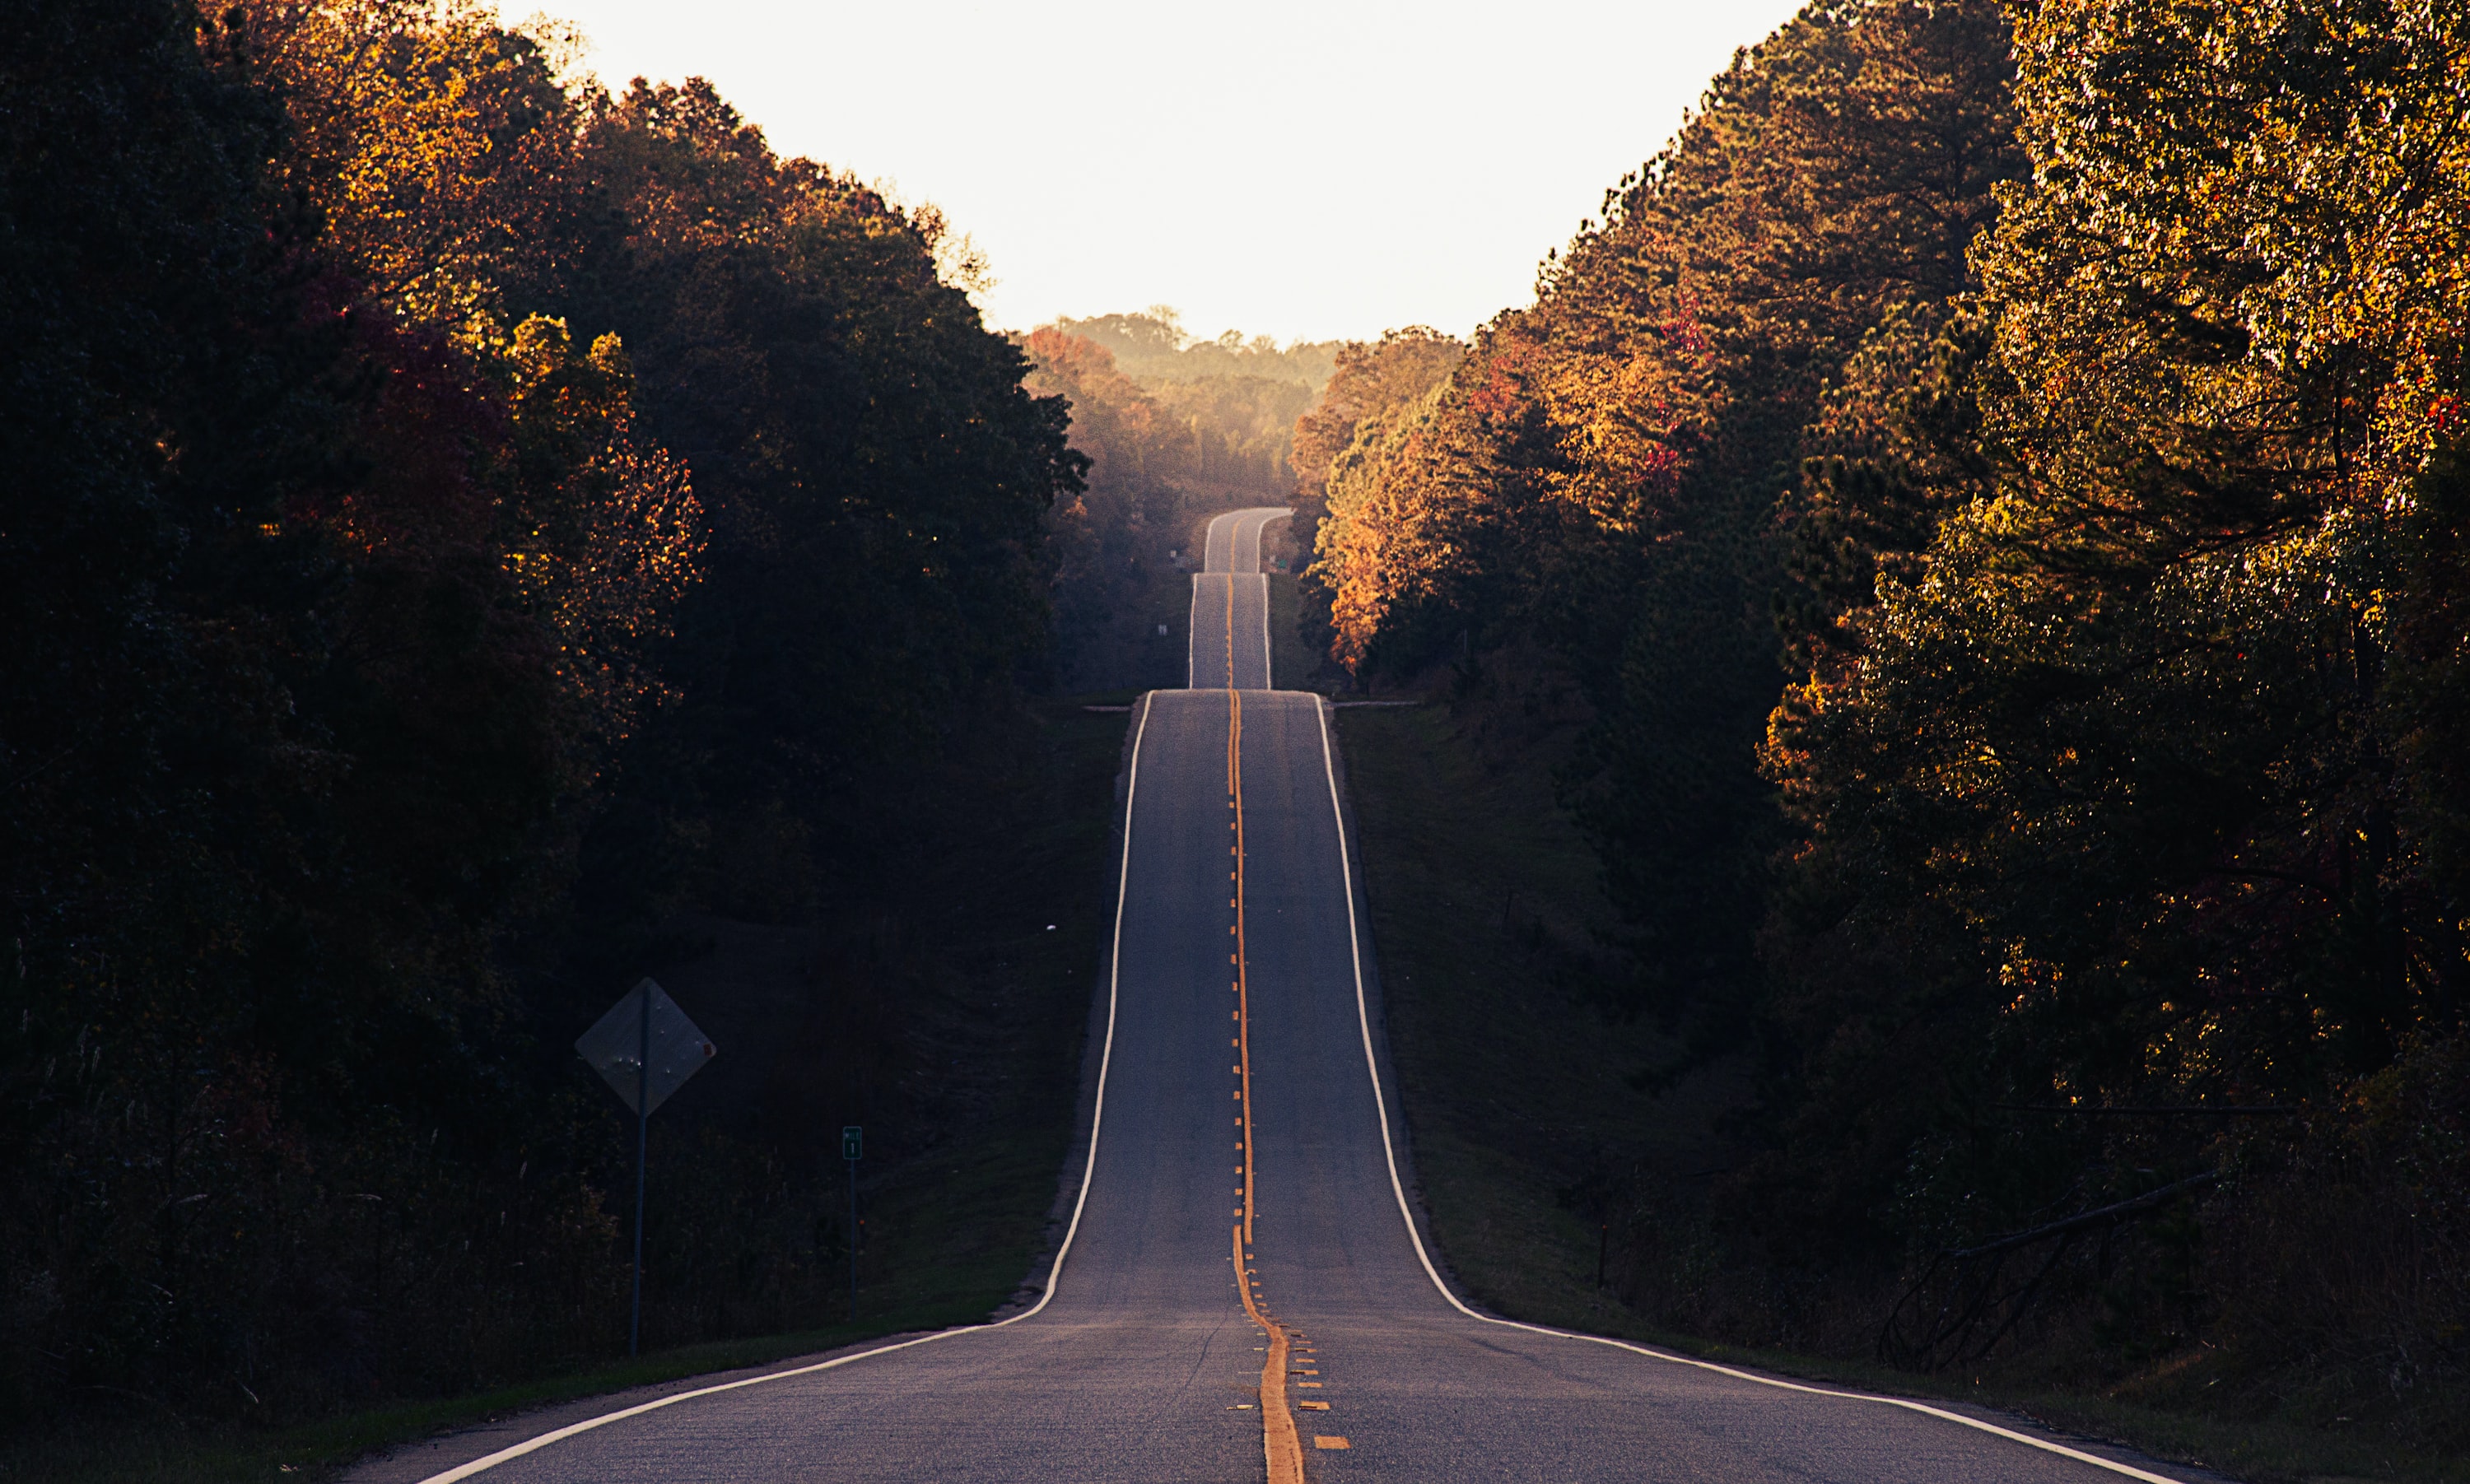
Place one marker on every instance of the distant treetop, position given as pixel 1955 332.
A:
pixel 1152 347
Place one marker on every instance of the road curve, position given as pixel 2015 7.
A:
pixel 1239 1055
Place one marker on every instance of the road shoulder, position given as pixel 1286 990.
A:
pixel 410 1463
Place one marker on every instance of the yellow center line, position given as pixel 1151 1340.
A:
pixel 1280 1444
pixel 1230 629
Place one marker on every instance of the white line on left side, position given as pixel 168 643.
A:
pixel 1097 1117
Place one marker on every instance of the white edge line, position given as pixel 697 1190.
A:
pixel 1268 682
pixel 1231 524
pixel 1192 633
pixel 1192 617
pixel 1380 1108
pixel 1268 675
pixel 1097 1116
pixel 1222 529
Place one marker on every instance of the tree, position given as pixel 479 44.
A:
pixel 1605 478
pixel 2108 780
pixel 876 477
pixel 356 608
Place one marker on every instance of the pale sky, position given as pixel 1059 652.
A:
pixel 1315 169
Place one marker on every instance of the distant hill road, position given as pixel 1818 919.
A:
pixel 1231 606
pixel 1240 1057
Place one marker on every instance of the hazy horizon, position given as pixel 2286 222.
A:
pixel 1303 171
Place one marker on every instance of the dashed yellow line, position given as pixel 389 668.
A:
pixel 1280 1442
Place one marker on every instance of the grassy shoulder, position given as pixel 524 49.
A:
pixel 1515 1085
pixel 956 1217
pixel 166 1451
pixel 1486 914
pixel 1292 666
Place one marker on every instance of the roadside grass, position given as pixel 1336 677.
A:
pixel 954 1227
pixel 1292 666
pixel 1485 911
pixel 132 1451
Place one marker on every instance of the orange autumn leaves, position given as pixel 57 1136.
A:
pixel 438 151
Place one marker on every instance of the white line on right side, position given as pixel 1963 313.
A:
pixel 1192 636
pixel 1269 681
pixel 1381 1107
pixel 1268 672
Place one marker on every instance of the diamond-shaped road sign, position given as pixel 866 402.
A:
pixel 678 1048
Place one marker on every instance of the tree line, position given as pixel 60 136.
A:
pixel 1175 429
pixel 457 517
pixel 1995 481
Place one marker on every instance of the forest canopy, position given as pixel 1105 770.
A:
pixel 1152 347
pixel 1175 429
pixel 1990 496
pixel 459 518
pixel 1993 486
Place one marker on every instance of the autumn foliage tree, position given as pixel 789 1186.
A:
pixel 1112 539
pixel 2116 778
pixel 1204 426
pixel 877 476
pixel 420 462
pixel 1355 423
pixel 2067 395
pixel 1598 479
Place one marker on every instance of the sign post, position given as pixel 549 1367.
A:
pixel 852 1145
pixel 645 1048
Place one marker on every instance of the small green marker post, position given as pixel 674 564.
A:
pixel 852 1143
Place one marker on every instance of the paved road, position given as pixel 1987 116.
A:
pixel 1229 644
pixel 1238 1092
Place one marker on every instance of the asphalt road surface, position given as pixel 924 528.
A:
pixel 1239 1112
pixel 1231 606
